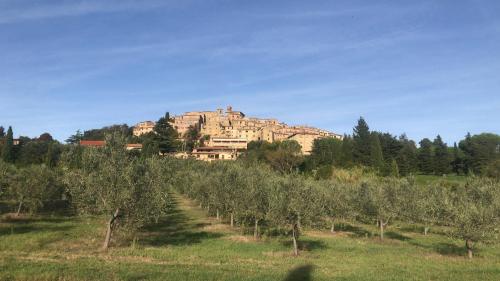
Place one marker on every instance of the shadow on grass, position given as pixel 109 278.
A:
pixel 175 229
pixel 35 224
pixel 396 236
pixel 356 231
pixel 306 245
pixel 443 248
pixel 300 273
pixel 22 229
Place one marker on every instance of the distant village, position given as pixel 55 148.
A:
pixel 227 133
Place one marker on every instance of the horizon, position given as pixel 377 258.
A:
pixel 421 69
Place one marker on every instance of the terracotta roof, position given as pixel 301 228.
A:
pixel 92 143
pixel 135 145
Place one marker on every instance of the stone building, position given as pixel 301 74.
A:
pixel 143 128
pixel 232 130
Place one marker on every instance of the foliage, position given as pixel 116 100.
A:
pixel 109 182
pixel 473 210
pixel 31 187
pixel 362 147
pixel 8 153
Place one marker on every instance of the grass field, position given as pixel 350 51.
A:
pixel 452 178
pixel 189 246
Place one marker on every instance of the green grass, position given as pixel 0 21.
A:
pixel 187 245
pixel 427 179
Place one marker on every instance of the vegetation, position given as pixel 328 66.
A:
pixel 317 208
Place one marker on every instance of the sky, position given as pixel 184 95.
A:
pixel 417 67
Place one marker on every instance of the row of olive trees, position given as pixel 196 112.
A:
pixel 252 194
pixel 29 188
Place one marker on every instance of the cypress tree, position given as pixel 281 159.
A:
pixel 425 157
pixel 394 168
pixel 8 148
pixel 376 157
pixel 362 147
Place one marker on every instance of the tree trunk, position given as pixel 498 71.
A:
pixel 468 245
pixel 232 220
pixel 217 215
pixel 109 230
pixel 256 230
pixel 426 230
pixel 381 224
pixel 294 237
pixel 19 208
pixel 332 229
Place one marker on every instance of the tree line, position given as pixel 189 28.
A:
pixel 385 154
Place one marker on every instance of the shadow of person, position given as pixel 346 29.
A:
pixel 300 273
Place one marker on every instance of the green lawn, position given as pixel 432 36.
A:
pixel 189 246
pixel 427 179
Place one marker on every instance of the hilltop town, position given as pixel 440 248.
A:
pixel 229 132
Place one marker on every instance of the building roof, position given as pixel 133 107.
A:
pixel 92 143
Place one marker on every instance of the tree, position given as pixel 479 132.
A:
pixel 293 201
pixel 76 138
pixel 284 156
pixel 422 203
pixel 339 202
pixel 457 164
pixel 480 151
pixel 362 147
pixel 376 157
pixel 380 200
pixel 165 135
pixel 326 151
pixel 394 168
pixel 100 134
pixel 347 158
pixel 192 138
pixel 425 157
pixel 8 153
pixel 254 203
pixel 46 137
pixel 33 186
pixel 128 190
pixel 473 210
pixel 406 158
pixel 441 157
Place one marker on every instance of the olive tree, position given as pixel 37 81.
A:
pixel 339 201
pixel 254 199
pixel 422 203
pixel 473 210
pixel 128 190
pixel 380 199
pixel 292 201
pixel 31 187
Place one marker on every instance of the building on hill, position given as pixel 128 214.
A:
pixel 143 128
pixel 215 153
pixel 234 130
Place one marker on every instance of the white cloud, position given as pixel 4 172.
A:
pixel 35 11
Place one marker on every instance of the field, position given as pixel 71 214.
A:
pixel 451 178
pixel 187 245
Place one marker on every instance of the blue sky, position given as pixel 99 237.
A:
pixel 414 67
